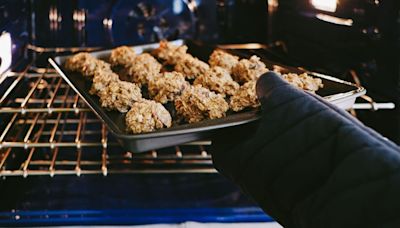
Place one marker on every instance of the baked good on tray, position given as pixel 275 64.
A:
pixel 191 66
pixel 244 97
pixel 303 81
pixel 147 116
pixel 222 59
pixel 119 95
pixel 122 56
pixel 154 97
pixel 101 80
pixel 167 86
pixel 169 53
pixel 198 103
pixel 141 70
pixel 86 64
pixel 219 80
pixel 248 69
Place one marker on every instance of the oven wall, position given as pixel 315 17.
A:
pixel 106 23
pixel 370 47
pixel 242 21
pixel 370 44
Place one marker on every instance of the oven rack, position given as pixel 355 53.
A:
pixel 46 129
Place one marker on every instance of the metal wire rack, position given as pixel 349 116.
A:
pixel 46 129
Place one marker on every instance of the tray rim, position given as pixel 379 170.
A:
pixel 253 114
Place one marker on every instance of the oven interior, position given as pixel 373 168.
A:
pixel 59 165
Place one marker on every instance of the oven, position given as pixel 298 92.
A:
pixel 58 163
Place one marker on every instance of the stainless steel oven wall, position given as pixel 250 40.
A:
pixel 105 23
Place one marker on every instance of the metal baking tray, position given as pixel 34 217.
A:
pixel 335 91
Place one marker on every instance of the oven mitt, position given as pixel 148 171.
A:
pixel 309 164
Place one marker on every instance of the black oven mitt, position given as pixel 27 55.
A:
pixel 309 164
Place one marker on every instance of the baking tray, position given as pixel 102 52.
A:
pixel 335 91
